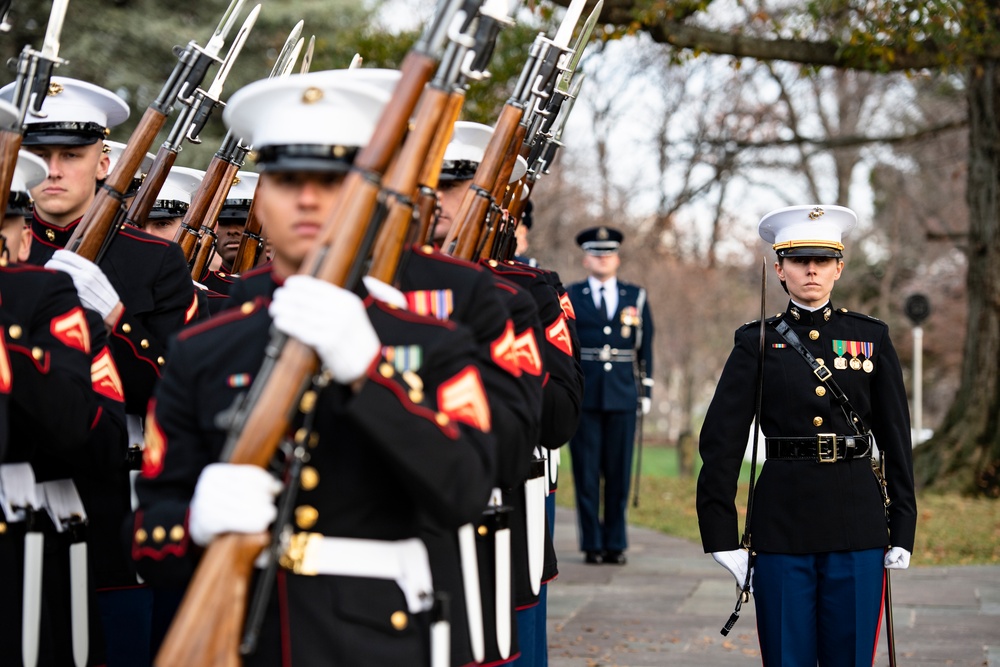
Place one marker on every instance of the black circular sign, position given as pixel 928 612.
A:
pixel 917 308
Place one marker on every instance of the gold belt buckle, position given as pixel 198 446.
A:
pixel 605 353
pixel 294 556
pixel 826 438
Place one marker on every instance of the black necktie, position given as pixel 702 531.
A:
pixel 604 304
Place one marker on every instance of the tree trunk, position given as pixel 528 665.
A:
pixel 964 452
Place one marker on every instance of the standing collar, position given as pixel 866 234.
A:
pixel 800 315
pixel 51 235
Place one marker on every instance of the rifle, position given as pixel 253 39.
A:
pixel 34 71
pixel 537 76
pixel 439 107
pixel 189 123
pixel 99 226
pixel 205 630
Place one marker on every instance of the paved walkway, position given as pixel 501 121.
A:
pixel 666 606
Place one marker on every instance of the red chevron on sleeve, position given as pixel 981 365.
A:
pixel 155 446
pixel 503 351
pixel 567 306
pixel 104 376
pixel 463 399
pixel 529 358
pixel 71 330
pixel 557 334
pixel 6 375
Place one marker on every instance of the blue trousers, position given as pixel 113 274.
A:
pixel 602 448
pixel 823 609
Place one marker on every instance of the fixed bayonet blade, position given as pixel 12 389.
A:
pixel 292 58
pixel 565 32
pixel 225 25
pixel 4 12
pixel 50 46
pixel 215 90
pixel 307 59
pixel 356 61
pixel 281 63
pixel 582 40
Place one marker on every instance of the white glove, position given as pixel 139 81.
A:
pixel 92 286
pixel 646 403
pixel 232 498
pixel 736 561
pixel 896 558
pixel 385 292
pixel 330 320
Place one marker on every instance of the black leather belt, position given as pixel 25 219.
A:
pixel 606 353
pixel 824 448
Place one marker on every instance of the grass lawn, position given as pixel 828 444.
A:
pixel 951 529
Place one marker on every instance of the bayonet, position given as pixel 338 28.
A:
pixel 356 61
pixel 572 61
pixel 35 67
pixel 225 25
pixel 281 62
pixel 4 12
pixel 307 59
pixel 292 58
pixel 50 45
pixel 209 101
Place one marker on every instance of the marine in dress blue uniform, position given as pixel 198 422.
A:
pixel 617 358
pixel 401 431
pixel 141 290
pixel 819 527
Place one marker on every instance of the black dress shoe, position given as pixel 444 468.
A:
pixel 592 557
pixel 614 558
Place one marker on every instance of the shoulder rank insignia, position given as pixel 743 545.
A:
pixel 71 330
pixel 529 358
pixel 192 310
pixel 104 377
pixel 404 357
pixel 155 446
pixel 462 398
pixel 503 351
pixel 567 305
pixel 5 373
pixel 557 334
pixel 436 303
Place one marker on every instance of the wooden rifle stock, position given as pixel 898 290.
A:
pixel 10 144
pixel 251 243
pixel 138 212
pixel 206 629
pixel 401 181
pixel 99 222
pixel 465 231
pixel 216 182
pixel 500 194
pixel 426 204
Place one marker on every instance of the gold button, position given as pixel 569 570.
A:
pixel 817 421
pixel 159 534
pixel 308 402
pixel 247 307
pixel 483 531
pixel 3 527
pixel 140 536
pixel 14 332
pixel 306 516
pixel 314 439
pixel 37 354
pixel 301 436
pixel 813 335
pixel 177 533
pixel 441 419
pixel 493 263
pixel 126 328
pixel 221 274
pixel 843 310
pixel 399 620
pixel 386 370
pixel 161 361
pixel 144 344
pixel 427 249
pixel 50 235
pixel 416 396
pixel 309 478
pixel 821 390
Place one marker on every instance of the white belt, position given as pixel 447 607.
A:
pixel 403 561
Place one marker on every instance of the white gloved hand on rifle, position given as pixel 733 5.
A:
pixel 329 319
pixel 646 404
pixel 896 558
pixel 736 561
pixel 92 286
pixel 232 498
